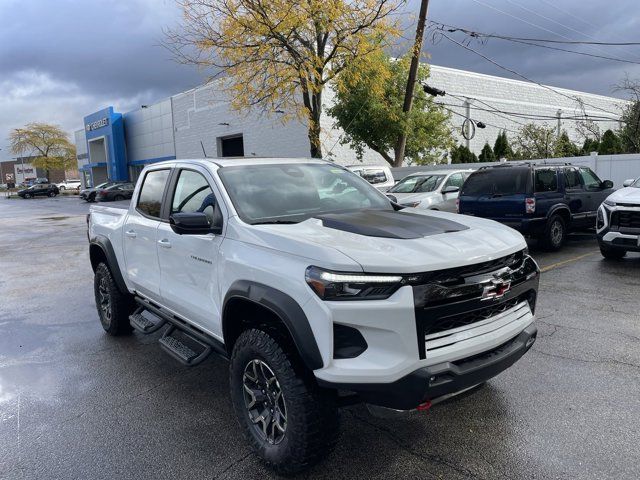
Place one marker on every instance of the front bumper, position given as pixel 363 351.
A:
pixel 615 236
pixel 434 381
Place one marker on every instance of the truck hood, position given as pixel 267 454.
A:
pixel 626 195
pixel 426 241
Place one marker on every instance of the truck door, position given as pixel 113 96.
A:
pixel 597 194
pixel 189 263
pixel 140 234
pixel 577 197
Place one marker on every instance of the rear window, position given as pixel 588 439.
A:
pixel 150 200
pixel 546 180
pixel 498 181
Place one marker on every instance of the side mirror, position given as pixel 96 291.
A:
pixel 393 198
pixel 192 224
pixel 450 189
pixel 606 184
pixel 628 182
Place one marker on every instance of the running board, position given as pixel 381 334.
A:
pixel 187 350
pixel 182 340
pixel 144 324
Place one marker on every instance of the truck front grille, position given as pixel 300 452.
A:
pixel 625 219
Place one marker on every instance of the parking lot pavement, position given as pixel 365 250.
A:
pixel 75 403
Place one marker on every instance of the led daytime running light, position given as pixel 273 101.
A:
pixel 349 278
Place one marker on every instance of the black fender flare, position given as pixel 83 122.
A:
pixel 286 308
pixel 103 243
pixel 556 208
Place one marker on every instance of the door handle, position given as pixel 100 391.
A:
pixel 131 233
pixel 164 243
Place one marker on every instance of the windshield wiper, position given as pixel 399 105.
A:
pixel 275 222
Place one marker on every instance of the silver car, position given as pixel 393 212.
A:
pixel 433 190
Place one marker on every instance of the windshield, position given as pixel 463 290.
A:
pixel 498 181
pixel 292 193
pixel 417 183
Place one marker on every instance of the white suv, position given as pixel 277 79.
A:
pixel 70 185
pixel 318 290
pixel 618 221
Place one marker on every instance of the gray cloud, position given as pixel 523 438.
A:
pixel 62 59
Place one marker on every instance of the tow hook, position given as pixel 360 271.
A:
pixel 424 407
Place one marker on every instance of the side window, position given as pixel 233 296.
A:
pixel 546 180
pixel 150 200
pixel 193 194
pixel 572 178
pixel 455 180
pixel 374 176
pixel 590 179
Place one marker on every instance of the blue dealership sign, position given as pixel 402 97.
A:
pixel 108 125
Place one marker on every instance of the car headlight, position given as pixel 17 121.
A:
pixel 330 285
pixel 410 204
pixel 609 203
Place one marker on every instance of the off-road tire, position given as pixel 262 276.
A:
pixel 114 317
pixel 311 413
pixel 555 233
pixel 612 253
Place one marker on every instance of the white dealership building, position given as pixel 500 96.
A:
pixel 200 122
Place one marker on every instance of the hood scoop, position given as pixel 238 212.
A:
pixel 389 224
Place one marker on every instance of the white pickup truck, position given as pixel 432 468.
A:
pixel 318 290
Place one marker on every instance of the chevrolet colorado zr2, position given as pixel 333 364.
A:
pixel 318 290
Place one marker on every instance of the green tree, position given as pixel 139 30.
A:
pixel 501 147
pixel 486 155
pixel 48 145
pixel 278 54
pixel 535 141
pixel 564 147
pixel 368 107
pixel 461 154
pixel 610 144
pixel 629 133
pixel 589 145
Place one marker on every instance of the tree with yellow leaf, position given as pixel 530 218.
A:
pixel 48 145
pixel 279 55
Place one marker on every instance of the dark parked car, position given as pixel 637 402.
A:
pixel 543 201
pixel 89 194
pixel 39 189
pixel 119 191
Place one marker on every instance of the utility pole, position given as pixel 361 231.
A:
pixel 411 81
pixel 559 126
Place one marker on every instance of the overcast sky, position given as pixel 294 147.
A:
pixel 61 60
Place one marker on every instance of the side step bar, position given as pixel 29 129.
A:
pixel 183 341
pixel 144 324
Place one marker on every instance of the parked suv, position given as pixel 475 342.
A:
pixel 89 194
pixel 70 185
pixel 378 176
pixel 544 201
pixel 319 291
pixel 435 190
pixel 39 190
pixel 618 221
pixel 117 192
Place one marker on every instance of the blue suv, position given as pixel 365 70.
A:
pixel 544 201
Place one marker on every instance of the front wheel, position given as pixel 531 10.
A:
pixel 114 307
pixel 554 233
pixel 612 253
pixel 62 187
pixel 52 194
pixel 290 422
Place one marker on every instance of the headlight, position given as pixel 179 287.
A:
pixel 330 285
pixel 410 204
pixel 609 203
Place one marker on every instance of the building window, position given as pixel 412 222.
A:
pixel 231 146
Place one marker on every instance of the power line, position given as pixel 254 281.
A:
pixel 525 41
pixel 507 69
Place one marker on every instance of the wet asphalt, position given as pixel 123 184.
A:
pixel 78 404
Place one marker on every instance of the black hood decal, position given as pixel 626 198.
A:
pixel 389 224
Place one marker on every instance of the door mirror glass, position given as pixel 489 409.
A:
pixel 628 182
pixel 450 189
pixel 191 224
pixel 606 184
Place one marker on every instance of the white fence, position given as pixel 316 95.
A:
pixel 616 168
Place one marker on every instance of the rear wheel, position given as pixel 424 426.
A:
pixel 62 187
pixel 118 198
pixel 612 253
pixel 554 233
pixel 52 194
pixel 290 422
pixel 113 306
